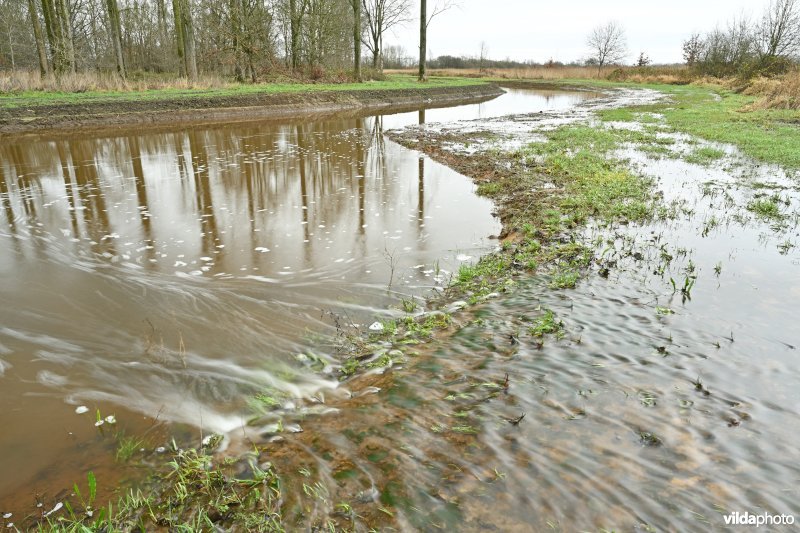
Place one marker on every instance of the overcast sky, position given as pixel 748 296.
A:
pixel 540 30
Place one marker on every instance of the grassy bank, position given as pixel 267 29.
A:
pixel 27 98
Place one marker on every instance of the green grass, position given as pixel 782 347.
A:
pixel 196 493
pixel 595 185
pixel 38 98
pixel 127 446
pixel 704 156
pixel 486 268
pixel 564 279
pixel 716 114
pixel 765 208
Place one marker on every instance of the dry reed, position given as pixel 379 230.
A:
pixel 776 93
pixel 18 81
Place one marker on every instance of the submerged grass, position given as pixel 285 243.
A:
pixel 704 156
pixel 556 187
pixel 765 208
pixel 195 494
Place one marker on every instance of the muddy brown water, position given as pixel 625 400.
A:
pixel 164 278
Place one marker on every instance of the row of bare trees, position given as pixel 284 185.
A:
pixel 246 39
pixel 745 47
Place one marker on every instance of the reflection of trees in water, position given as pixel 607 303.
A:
pixel 143 206
pixel 420 195
pixel 253 170
pixel 79 155
pixel 204 204
pixel 5 199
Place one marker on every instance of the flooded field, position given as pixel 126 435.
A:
pixel 660 394
pixel 169 279
pixel 166 278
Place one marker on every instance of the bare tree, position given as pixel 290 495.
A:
pixel 729 51
pixel 778 33
pixel 693 49
pixel 59 33
pixel 643 60
pixel 424 21
pixel 41 49
pixel 608 44
pixel 484 54
pixel 356 5
pixel 184 35
pixel 380 16
pixel 116 35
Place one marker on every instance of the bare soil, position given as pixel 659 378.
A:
pixel 105 115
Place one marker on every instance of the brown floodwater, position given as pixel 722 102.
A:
pixel 163 278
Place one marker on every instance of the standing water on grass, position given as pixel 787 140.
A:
pixel 167 277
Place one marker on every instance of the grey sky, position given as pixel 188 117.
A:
pixel 540 30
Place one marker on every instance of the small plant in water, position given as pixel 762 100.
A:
pixel 126 447
pixel 409 305
pixel 765 208
pixel 686 290
pixel 546 324
pixel 565 280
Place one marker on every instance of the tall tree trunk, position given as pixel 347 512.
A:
pixel 294 23
pixel 177 14
pixel 162 22
pixel 116 35
pixel 53 29
pixel 66 32
pixel 44 64
pixel 356 39
pixel 188 41
pixel 423 38
pixel 236 32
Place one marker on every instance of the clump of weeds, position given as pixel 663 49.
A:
pixel 547 324
pixel 765 208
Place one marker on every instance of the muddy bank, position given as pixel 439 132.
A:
pixel 111 115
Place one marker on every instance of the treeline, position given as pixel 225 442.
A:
pixel 396 57
pixel 746 47
pixel 245 39
pixel 472 62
